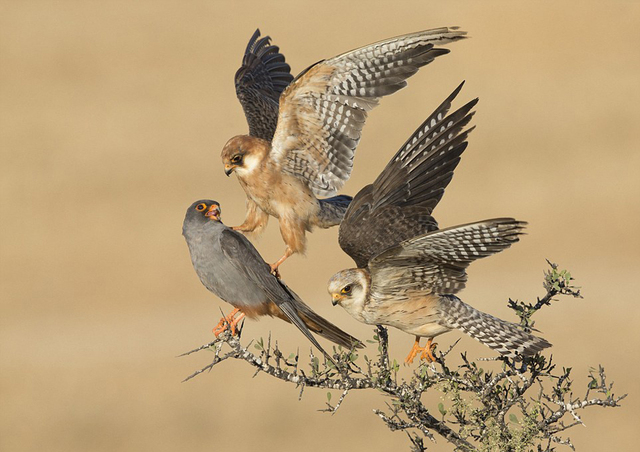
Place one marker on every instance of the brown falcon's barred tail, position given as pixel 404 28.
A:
pixel 332 210
pixel 504 337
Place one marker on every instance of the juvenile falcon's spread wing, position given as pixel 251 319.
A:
pixel 398 205
pixel 323 111
pixel 260 80
pixel 435 262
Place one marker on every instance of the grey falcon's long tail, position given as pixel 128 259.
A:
pixel 320 325
pixel 332 210
pixel 504 337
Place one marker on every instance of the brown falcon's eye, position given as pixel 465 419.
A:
pixel 200 207
pixel 236 159
pixel 346 290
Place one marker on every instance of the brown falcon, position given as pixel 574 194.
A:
pixel 304 146
pixel 409 271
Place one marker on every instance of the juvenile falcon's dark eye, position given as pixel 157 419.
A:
pixel 346 289
pixel 200 207
pixel 236 159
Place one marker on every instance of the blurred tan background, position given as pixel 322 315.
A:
pixel 112 117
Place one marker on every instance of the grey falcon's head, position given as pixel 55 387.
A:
pixel 202 211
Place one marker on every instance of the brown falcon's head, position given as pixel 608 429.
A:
pixel 243 154
pixel 203 210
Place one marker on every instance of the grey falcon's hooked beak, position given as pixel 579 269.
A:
pixel 335 299
pixel 213 212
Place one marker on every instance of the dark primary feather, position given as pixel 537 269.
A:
pixel 398 205
pixel 246 259
pixel 263 76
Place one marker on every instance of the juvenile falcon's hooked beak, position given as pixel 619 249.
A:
pixel 228 169
pixel 214 212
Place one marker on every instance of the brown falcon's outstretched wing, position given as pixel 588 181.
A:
pixel 323 110
pixel 398 205
pixel 436 262
pixel 243 255
pixel 260 80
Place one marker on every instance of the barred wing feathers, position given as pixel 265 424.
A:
pixel 323 111
pixel 436 262
pixel 398 205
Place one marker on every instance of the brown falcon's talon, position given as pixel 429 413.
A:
pixel 274 270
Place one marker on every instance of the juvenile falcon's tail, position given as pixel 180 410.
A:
pixel 332 210
pixel 504 337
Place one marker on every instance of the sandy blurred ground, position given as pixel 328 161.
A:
pixel 112 116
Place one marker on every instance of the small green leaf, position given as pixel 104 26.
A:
pixel 441 409
pixel 328 397
pixel 513 418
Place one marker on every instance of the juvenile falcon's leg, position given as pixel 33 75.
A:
pixel 230 321
pixel 414 351
pixel 427 351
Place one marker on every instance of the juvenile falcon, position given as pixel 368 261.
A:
pixel 409 271
pixel 304 147
pixel 230 267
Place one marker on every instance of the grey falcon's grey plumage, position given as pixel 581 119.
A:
pixel 321 115
pixel 408 270
pixel 230 267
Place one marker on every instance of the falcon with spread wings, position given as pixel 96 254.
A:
pixel 409 271
pixel 303 132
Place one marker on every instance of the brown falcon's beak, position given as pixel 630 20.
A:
pixel 335 298
pixel 213 212
pixel 228 169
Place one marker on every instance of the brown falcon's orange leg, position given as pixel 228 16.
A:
pixel 274 267
pixel 230 321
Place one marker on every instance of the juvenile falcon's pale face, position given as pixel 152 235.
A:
pixel 349 289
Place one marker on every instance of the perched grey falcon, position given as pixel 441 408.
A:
pixel 230 267
pixel 408 270
pixel 303 147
